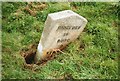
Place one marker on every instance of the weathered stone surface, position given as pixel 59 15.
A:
pixel 60 29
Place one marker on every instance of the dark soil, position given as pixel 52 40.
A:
pixel 30 52
pixel 29 55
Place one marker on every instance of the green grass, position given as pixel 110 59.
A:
pixel 92 56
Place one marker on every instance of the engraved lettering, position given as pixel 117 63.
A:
pixel 68 27
pixel 63 40
pixel 65 34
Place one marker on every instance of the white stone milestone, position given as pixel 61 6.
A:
pixel 60 29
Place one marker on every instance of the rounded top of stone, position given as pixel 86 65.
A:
pixel 64 14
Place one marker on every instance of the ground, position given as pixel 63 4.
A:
pixel 92 56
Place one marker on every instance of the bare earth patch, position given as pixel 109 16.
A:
pixel 29 55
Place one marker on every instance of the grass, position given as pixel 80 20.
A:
pixel 92 56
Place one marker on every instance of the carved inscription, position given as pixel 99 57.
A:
pixel 63 40
pixel 68 27
pixel 65 35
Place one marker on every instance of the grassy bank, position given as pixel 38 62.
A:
pixel 92 55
